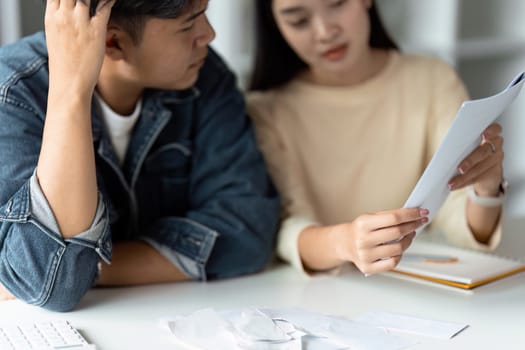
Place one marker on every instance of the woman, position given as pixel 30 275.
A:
pixel 347 125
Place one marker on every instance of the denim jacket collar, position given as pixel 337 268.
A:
pixel 155 101
pixel 154 117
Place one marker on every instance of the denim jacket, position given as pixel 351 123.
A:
pixel 193 185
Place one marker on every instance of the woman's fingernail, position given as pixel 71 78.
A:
pixel 489 133
pixel 424 212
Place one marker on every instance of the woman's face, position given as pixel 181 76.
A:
pixel 330 36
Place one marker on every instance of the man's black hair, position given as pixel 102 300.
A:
pixel 132 14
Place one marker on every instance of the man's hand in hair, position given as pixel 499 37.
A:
pixel 76 44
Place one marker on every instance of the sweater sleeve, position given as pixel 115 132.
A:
pixel 288 240
pixel 448 96
pixel 282 164
pixel 295 216
pixel 452 221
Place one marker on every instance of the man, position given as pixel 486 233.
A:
pixel 123 139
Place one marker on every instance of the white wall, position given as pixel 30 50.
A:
pixel 422 26
pixel 233 22
pixel 10 27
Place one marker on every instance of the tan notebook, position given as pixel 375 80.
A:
pixel 454 266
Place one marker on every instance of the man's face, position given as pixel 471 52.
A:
pixel 171 51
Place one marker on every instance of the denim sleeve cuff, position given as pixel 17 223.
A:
pixel 185 243
pixel 184 264
pixel 96 237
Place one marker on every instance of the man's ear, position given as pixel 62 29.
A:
pixel 118 42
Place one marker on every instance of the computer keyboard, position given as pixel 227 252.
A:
pixel 48 335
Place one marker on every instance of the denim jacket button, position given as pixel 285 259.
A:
pixel 8 208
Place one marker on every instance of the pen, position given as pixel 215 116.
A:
pixel 429 258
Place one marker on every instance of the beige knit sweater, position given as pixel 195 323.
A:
pixel 337 152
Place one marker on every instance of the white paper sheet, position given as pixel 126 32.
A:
pixel 278 329
pixel 412 325
pixel 462 138
pixel 351 334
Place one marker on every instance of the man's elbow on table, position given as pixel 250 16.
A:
pixel 58 285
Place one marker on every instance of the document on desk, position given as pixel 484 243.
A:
pixel 278 329
pixel 412 324
pixel 462 138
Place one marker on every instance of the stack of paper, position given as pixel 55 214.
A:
pixel 295 329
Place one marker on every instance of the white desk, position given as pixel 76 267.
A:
pixel 126 318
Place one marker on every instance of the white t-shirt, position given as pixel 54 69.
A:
pixel 119 126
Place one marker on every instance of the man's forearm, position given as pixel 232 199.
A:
pixel 136 263
pixel 66 166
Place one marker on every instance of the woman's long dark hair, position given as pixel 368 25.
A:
pixel 275 61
